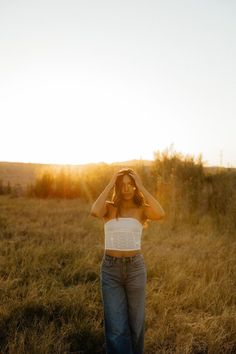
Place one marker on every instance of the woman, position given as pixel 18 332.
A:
pixel 123 272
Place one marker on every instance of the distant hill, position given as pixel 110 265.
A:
pixel 26 173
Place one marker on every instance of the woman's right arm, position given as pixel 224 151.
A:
pixel 99 207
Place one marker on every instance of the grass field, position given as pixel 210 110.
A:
pixel 50 255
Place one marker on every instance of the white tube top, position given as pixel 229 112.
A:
pixel 123 234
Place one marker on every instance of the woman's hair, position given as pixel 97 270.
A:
pixel 138 197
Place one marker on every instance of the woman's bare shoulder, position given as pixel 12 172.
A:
pixel 111 209
pixel 143 216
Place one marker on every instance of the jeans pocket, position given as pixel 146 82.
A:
pixel 138 263
pixel 107 263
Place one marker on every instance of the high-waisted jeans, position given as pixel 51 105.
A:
pixel 123 283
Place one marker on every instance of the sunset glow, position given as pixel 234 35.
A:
pixel 89 83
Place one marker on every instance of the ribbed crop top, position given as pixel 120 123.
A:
pixel 123 234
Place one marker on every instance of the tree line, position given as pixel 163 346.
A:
pixel 181 183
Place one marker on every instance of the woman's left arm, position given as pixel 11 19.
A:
pixel 153 211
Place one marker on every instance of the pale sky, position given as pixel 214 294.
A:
pixel 91 81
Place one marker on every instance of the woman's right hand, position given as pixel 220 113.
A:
pixel 114 178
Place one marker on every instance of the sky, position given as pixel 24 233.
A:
pixel 106 81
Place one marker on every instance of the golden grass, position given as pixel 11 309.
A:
pixel 49 282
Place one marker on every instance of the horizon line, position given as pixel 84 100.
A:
pixel 103 162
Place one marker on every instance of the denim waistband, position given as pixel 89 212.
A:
pixel 123 259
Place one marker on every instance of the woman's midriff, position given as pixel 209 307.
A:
pixel 115 253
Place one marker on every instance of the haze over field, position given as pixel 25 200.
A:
pixel 89 81
pixel 52 248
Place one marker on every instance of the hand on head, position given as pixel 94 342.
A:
pixel 126 171
pixel 130 172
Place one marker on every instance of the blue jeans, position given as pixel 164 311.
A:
pixel 123 282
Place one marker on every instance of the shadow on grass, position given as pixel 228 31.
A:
pixel 79 336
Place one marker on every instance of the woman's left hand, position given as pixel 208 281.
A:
pixel 137 179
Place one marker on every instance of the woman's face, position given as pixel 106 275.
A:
pixel 127 187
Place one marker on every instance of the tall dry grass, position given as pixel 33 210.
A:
pixel 50 255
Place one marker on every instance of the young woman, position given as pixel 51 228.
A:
pixel 123 272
